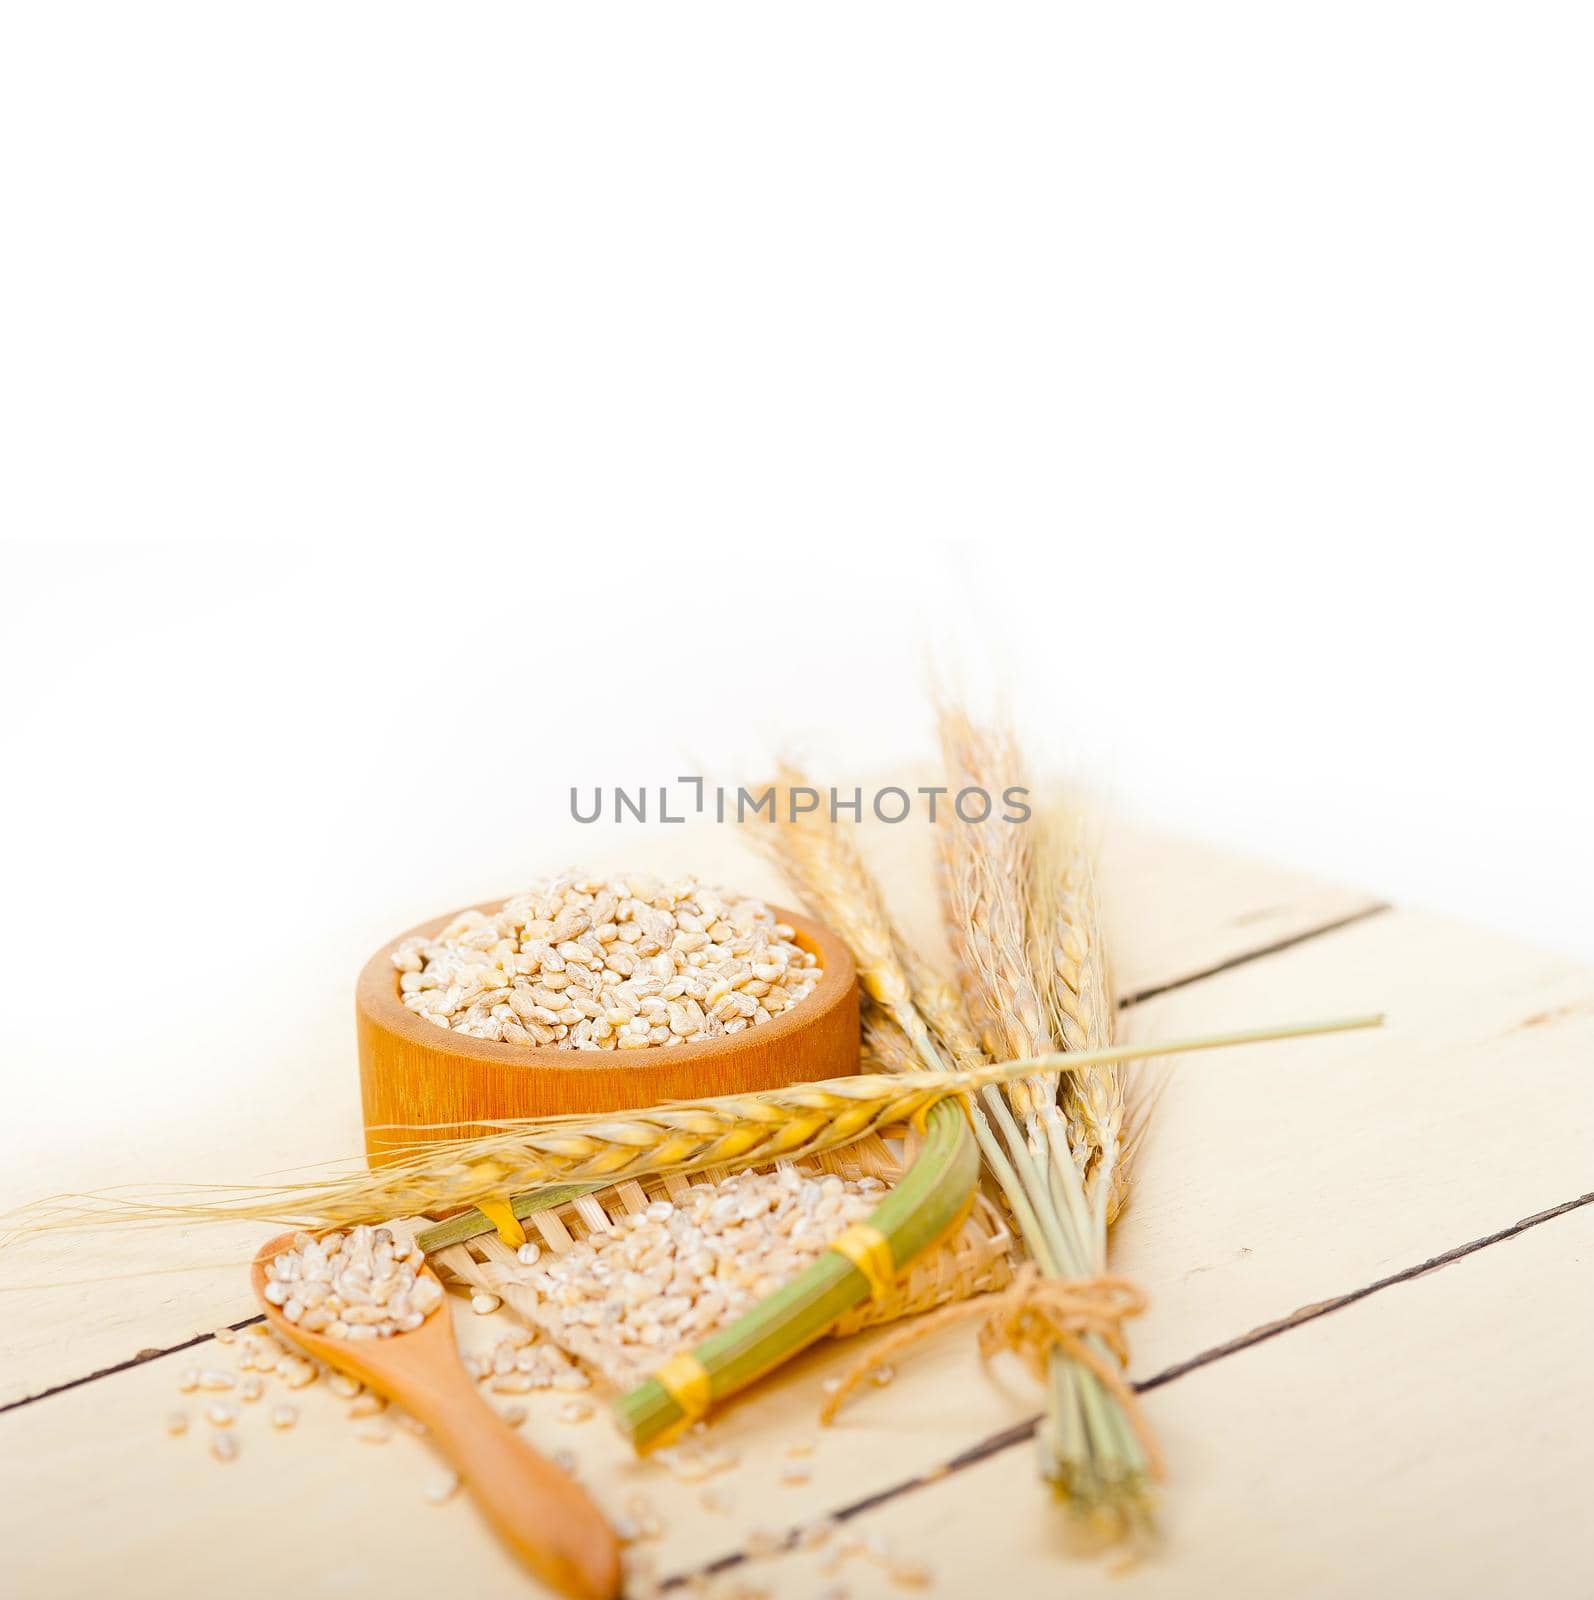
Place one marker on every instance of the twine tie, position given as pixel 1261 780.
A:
pixel 1082 1317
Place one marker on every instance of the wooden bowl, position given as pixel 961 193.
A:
pixel 419 1081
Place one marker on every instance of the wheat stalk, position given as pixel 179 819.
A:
pixel 942 1006
pixel 686 1136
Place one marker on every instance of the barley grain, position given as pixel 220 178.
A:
pixel 441 1487
pixel 366 1284
pixel 533 972
pixel 909 1574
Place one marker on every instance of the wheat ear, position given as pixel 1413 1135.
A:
pixel 1069 957
pixel 829 874
pixel 728 1131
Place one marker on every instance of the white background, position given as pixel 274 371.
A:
pixel 589 396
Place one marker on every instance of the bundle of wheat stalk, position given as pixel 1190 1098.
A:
pixel 1021 916
pixel 1022 923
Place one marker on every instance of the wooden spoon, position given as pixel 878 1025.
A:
pixel 549 1521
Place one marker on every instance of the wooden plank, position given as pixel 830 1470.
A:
pixel 1277 1177
pixel 1436 1439
pixel 144 1509
pixel 95 1454
pixel 291 1094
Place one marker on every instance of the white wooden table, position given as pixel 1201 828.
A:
pixel 1370 1262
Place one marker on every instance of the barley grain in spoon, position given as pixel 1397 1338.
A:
pixel 550 1522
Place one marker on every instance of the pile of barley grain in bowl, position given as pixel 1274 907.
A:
pixel 365 1284
pixel 621 963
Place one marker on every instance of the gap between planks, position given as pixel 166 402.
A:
pixel 1020 1432
pixel 1124 1004
pixel 152 1354
pixel 1248 956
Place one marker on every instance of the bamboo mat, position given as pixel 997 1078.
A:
pixel 1338 1420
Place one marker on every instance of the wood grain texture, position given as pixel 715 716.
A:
pixel 415 1075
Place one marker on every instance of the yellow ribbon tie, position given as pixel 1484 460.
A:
pixel 685 1380
pixel 870 1252
pixel 502 1216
